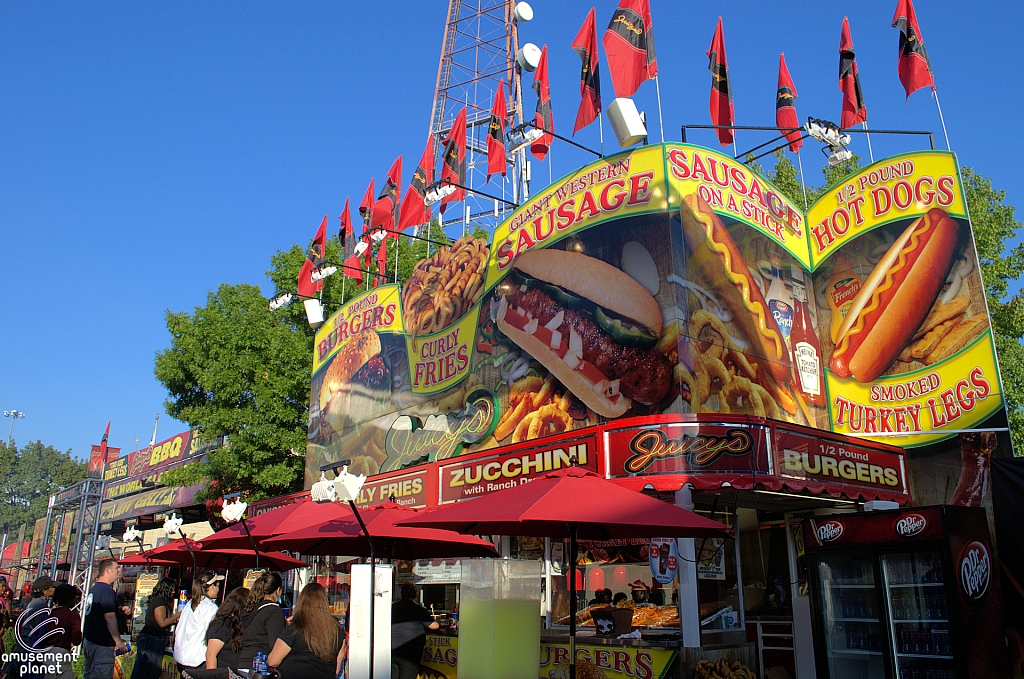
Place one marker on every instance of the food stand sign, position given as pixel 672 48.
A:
pixel 441 654
pixel 471 478
pixel 669 280
pixel 664 559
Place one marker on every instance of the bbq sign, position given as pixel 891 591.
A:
pixel 974 567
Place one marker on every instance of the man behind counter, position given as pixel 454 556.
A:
pixel 409 625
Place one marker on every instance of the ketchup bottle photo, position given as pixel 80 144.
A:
pixel 806 351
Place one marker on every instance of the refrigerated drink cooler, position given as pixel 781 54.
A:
pixel 905 594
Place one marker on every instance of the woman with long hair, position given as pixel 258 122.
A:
pixel 310 647
pixel 262 621
pixel 190 634
pixel 224 636
pixel 152 639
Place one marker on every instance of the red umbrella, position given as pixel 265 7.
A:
pixel 345 537
pixel 140 560
pixel 285 519
pixel 176 554
pixel 573 503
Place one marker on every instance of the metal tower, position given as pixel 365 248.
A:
pixel 74 512
pixel 479 50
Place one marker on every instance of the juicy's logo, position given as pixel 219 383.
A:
pixel 829 531
pixel 910 525
pixel 700 450
pixel 975 569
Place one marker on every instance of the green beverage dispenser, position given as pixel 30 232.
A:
pixel 499 619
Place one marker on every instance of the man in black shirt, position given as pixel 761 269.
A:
pixel 409 625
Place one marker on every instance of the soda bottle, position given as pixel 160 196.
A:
pixel 806 351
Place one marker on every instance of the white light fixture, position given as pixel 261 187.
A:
pixel 131 535
pixel 233 511
pixel 314 312
pixel 523 12
pixel 322 273
pixel 627 123
pixel 379 235
pixel 436 192
pixel 347 486
pixel 528 57
pixel 522 135
pixel 278 301
pixel 173 524
pixel 361 247
pixel 103 542
pixel 323 490
pixel 829 133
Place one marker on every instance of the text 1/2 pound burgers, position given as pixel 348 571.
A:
pixel 591 325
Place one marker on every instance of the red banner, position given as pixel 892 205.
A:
pixel 408 489
pixel 815 458
pixel 96 466
pixel 470 478
pixel 687 448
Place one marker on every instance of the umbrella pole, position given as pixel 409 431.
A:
pixel 251 542
pixel 195 566
pixel 572 601
pixel 373 579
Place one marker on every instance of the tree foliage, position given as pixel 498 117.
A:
pixel 995 225
pixel 29 476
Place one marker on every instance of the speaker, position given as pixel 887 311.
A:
pixel 626 122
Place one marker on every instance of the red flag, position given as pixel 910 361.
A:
pixel 585 45
pixel 854 110
pixel 914 67
pixel 542 118
pixel 366 208
pixel 307 287
pixel 496 134
pixel 453 159
pixel 368 257
pixel 382 258
pixel 629 44
pixel 414 208
pixel 721 94
pixel 785 106
pixel 103 441
pixel 352 268
pixel 385 210
pixel 346 234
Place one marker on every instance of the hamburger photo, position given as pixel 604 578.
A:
pixel 591 325
pixel 357 381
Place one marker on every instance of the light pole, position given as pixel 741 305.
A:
pixel 14 415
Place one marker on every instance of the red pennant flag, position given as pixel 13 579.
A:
pixel 368 257
pixel 914 67
pixel 629 44
pixel 307 287
pixel 453 159
pixel 854 110
pixel 496 134
pixel 366 208
pixel 721 94
pixel 382 258
pixel 414 207
pixel 585 46
pixel 385 210
pixel 785 106
pixel 542 118
pixel 103 441
pixel 352 268
pixel 348 239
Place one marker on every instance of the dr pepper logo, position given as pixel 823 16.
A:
pixel 910 525
pixel 975 566
pixel 829 531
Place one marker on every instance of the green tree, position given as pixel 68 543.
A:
pixel 235 368
pixel 29 476
pixel 995 225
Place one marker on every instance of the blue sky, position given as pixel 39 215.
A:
pixel 151 151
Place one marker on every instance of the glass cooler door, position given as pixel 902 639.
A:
pixel 920 619
pixel 854 634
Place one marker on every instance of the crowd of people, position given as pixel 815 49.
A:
pixel 248 622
